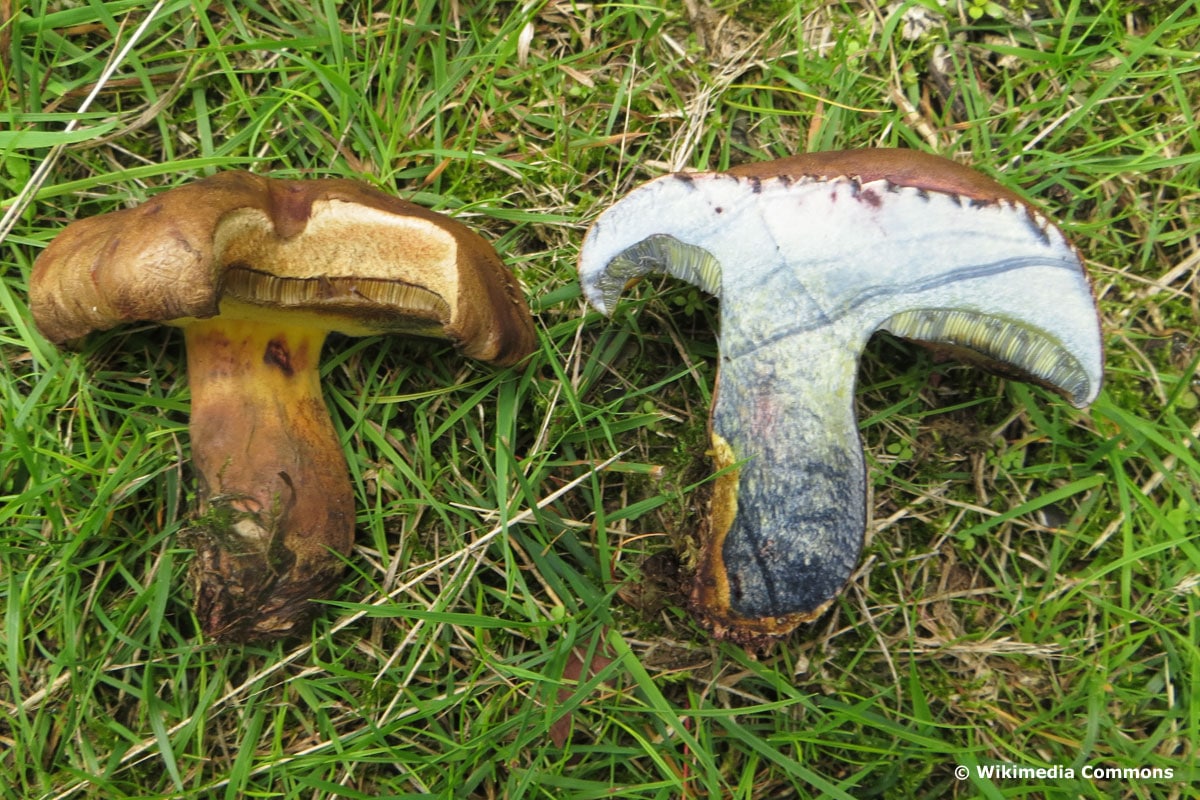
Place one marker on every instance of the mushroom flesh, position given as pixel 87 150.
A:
pixel 809 256
pixel 257 272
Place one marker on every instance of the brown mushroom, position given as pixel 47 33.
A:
pixel 810 256
pixel 257 272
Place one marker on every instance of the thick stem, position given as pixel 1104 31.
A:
pixel 787 518
pixel 276 509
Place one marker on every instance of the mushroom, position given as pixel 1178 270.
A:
pixel 809 256
pixel 257 272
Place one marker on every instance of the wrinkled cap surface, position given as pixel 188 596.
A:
pixel 337 252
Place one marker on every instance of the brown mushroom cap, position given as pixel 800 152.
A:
pixel 911 168
pixel 357 260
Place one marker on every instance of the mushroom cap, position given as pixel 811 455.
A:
pixel 898 167
pixel 904 218
pixel 343 254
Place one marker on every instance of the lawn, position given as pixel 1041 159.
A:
pixel 513 621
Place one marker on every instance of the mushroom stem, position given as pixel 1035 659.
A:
pixel 788 515
pixel 276 505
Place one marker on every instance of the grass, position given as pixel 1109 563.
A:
pixel 1029 594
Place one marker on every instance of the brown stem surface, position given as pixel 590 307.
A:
pixel 276 511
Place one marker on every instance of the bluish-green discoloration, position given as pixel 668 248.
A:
pixel 807 270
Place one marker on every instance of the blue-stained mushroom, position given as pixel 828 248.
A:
pixel 810 256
